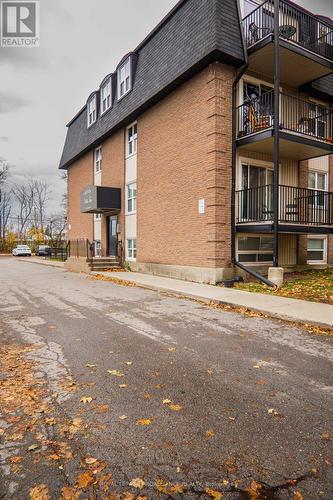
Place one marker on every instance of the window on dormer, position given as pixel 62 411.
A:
pixel 124 78
pixel 106 96
pixel 91 111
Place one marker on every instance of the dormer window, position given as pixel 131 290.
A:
pixel 106 96
pixel 124 78
pixel 91 110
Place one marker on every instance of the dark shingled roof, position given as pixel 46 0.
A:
pixel 193 34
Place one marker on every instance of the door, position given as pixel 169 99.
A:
pixel 257 199
pixel 113 236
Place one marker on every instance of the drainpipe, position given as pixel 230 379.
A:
pixel 276 133
pixel 234 138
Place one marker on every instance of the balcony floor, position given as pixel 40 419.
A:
pixel 267 227
pixel 292 145
pixel 298 65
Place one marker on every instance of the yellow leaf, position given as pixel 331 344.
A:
pixel 175 407
pixel 129 363
pixel 68 493
pixel 85 479
pixel 144 421
pixel 39 492
pixel 90 460
pixel 217 495
pixel 298 495
pixel 116 373
pixel 33 447
pixel 171 349
pixel 166 401
pixel 168 488
pixel 88 365
pixel 137 482
pixel 210 433
pixel 122 386
pixel 86 399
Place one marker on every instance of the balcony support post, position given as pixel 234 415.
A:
pixel 276 134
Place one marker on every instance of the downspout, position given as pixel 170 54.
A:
pixel 239 75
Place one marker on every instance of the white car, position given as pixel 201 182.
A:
pixel 22 250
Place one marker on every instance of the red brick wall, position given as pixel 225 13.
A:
pixel 184 154
pixel 80 174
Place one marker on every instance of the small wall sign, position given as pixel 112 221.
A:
pixel 202 206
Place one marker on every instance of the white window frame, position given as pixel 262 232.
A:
pixel 91 111
pixel 131 250
pixel 97 160
pixel 318 172
pixel 131 197
pixel 255 252
pixel 124 79
pixel 132 141
pixel 106 94
pixel 324 239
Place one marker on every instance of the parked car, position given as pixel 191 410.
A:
pixel 43 250
pixel 21 250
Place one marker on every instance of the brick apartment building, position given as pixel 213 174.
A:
pixel 209 145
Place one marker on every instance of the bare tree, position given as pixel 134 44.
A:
pixel 5 198
pixel 24 194
pixel 41 195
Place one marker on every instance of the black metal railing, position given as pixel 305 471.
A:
pixel 57 253
pixel 296 205
pixel 295 24
pixel 296 115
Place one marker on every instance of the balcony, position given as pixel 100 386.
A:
pixel 306 42
pixel 300 210
pixel 306 128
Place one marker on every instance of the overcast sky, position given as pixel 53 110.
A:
pixel 42 88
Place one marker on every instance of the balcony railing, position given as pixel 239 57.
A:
pixel 296 115
pixel 296 205
pixel 296 25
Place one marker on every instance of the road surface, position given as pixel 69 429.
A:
pixel 113 390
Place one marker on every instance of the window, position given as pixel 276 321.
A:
pixel 132 139
pixel 131 249
pixel 106 96
pixel 316 250
pixel 131 197
pixel 255 249
pixel 98 216
pixel 124 79
pixel 317 181
pixel 98 160
pixel 91 111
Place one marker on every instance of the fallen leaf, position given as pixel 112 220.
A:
pixel 168 488
pixel 122 386
pixel 116 373
pixel 175 407
pixel 123 417
pixel 86 399
pixel 85 479
pixel 68 493
pixel 129 363
pixel 327 436
pixel 217 495
pixel 210 433
pixel 256 366
pixel 90 460
pixel 144 421
pixel 2 431
pixel 253 490
pixel 88 365
pixel 101 408
pixel 137 482
pixel 171 349
pixel 298 495
pixel 210 371
pixel 33 447
pixel 166 401
pixel 147 395
pixel 40 492
pixel 16 459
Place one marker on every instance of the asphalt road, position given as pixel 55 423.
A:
pixel 105 385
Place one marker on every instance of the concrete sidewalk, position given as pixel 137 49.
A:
pixel 290 309
pixel 41 260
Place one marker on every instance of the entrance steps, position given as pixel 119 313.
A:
pixel 104 263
